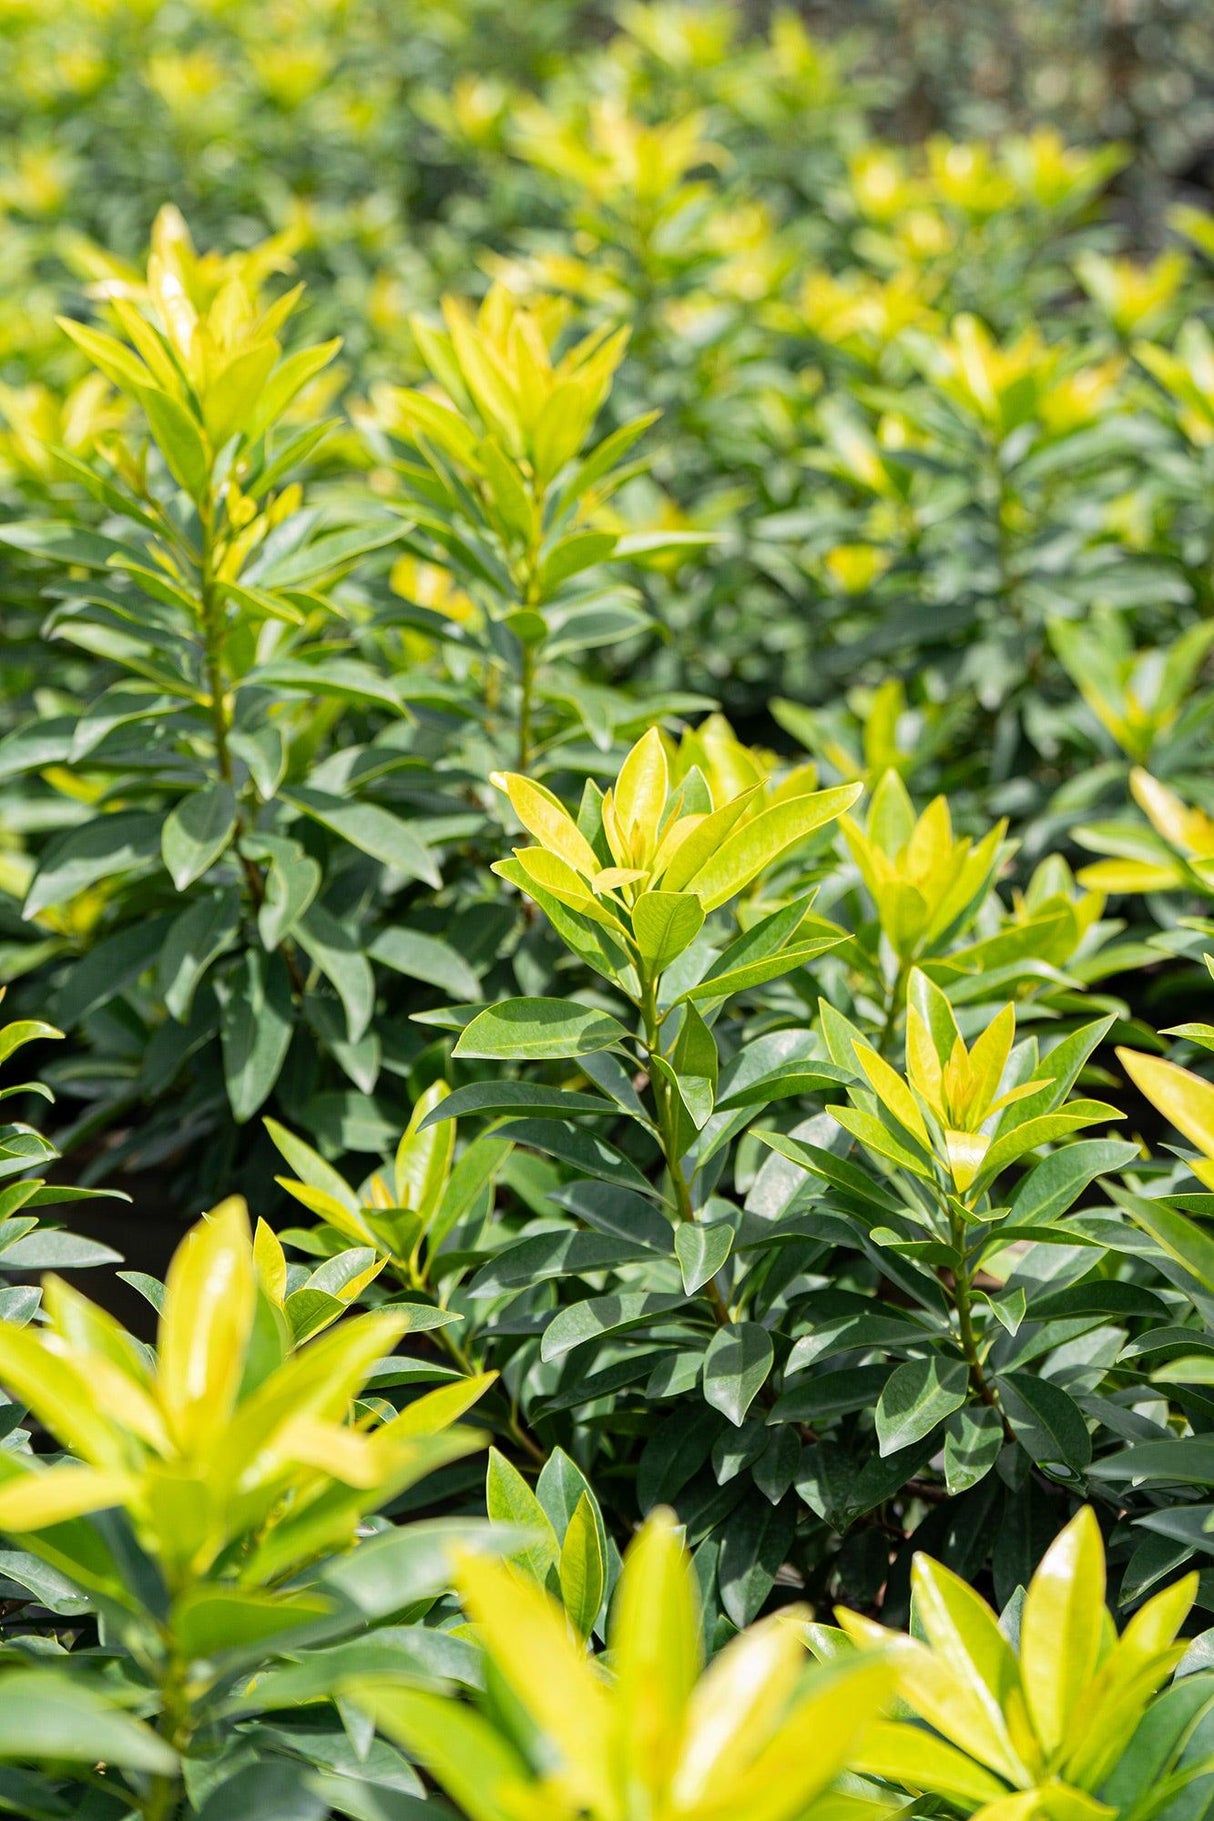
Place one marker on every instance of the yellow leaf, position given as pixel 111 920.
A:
pixel 893 1093
pixel 271 1262
pixel 36 1500
pixel 641 790
pixel 911 1757
pixel 738 1704
pixel 533 1647
pixel 809 1750
pixel 1062 1627
pixel 1182 1097
pixel 432 1412
pixel 545 816
pixel 209 1302
pixel 655 1646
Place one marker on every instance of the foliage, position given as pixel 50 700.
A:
pixel 201 1524
pixel 607 708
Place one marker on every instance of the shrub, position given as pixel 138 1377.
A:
pixel 607 691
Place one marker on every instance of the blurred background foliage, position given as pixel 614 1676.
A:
pixel 919 291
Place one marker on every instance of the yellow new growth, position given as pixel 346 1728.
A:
pixel 660 1739
pixel 231 1434
pixel 705 837
pixel 1028 1732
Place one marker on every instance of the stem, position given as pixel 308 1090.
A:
pixel 963 1298
pixel 221 727
pixel 894 998
pixel 212 634
pixel 526 706
pixel 175 1726
pixel 668 1131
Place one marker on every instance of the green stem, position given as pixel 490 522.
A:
pixel 893 1003
pixel 212 637
pixel 175 1726
pixel 526 707
pixel 964 1303
pixel 668 1131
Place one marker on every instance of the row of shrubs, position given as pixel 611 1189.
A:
pixel 648 811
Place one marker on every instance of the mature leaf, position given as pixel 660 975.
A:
pixel 918 1396
pixel 736 1367
pixel 255 1029
pixel 534 1029
pixel 197 832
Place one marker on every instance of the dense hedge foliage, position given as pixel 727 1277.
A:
pixel 606 719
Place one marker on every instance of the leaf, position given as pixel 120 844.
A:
pixel 694 1067
pixel 205 1325
pixel 585 1151
pixel 664 924
pixel 292 883
pixel 917 1396
pixel 535 1029
pixel 755 1543
pixel 973 1437
pixel 337 952
pixel 98 849
pixel 197 832
pixel 372 830
pixel 1047 1422
pixel 1062 1627
pixel 181 442
pixel 756 844
pixel 701 1251
pixel 255 1023
pixel 197 937
pixel 489 1097
pixel 736 1367
pixel 45 1714
pixel 582 1568
pixel 510 1500
pixel 428 958
pixel 1054 1184
pixel 600 1315
pixel 1174 1233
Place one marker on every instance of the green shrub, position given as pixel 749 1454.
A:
pixel 617 677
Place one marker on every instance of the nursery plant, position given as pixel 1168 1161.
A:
pixel 605 716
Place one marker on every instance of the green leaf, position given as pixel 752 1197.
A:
pixel 510 1500
pixel 695 1067
pixel 197 832
pixel 1174 1233
pixel 45 1714
pixel 292 883
pixel 180 439
pixel 255 1025
pixel 736 1367
pixel 545 1255
pixel 490 1097
pixel 539 1029
pixel 372 830
pixel 123 842
pixel 973 1437
pixel 337 952
pixel 1047 1422
pixel 600 1315
pixel 1054 1184
pixel 664 924
pixel 583 1568
pixel 917 1396
pixel 701 1251
pixel 427 958
pixel 196 938
pixel 1188 1461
